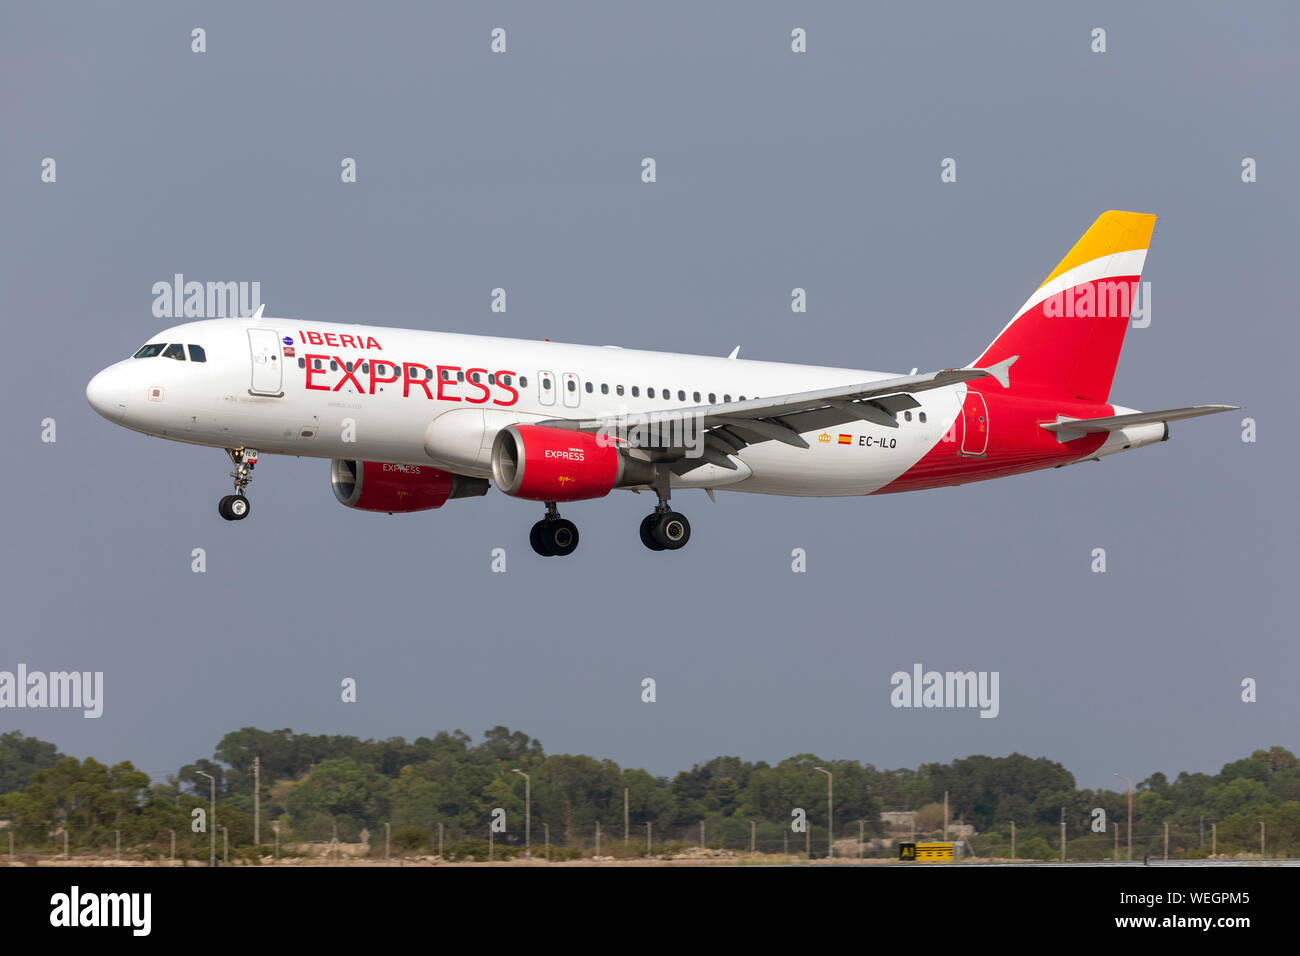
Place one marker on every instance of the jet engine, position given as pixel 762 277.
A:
pixel 382 486
pixel 543 463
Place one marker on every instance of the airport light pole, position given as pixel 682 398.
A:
pixel 1130 813
pixel 528 814
pixel 212 818
pixel 830 813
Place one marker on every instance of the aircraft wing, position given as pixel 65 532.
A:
pixel 730 427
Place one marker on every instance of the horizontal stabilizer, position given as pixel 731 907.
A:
pixel 1115 423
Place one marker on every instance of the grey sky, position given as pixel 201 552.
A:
pixel 775 170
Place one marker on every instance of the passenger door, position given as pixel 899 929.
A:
pixel 975 426
pixel 268 374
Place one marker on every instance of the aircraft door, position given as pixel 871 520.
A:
pixel 268 374
pixel 572 390
pixel 975 425
pixel 546 388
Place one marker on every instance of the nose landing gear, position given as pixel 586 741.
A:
pixel 553 536
pixel 236 507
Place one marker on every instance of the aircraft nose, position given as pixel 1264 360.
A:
pixel 107 393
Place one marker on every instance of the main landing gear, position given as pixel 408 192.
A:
pixel 235 507
pixel 664 529
pixel 553 536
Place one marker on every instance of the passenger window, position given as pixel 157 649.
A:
pixel 523 381
pixel 742 398
pixel 505 380
pixel 573 386
pixel 588 388
pixel 365 368
pixel 713 398
pixel 618 389
pixel 604 389
pixel 428 374
pixel 492 378
pixel 473 377
pixel 681 395
pixel 546 384
pixel 316 364
pixel 649 392
pixel 726 399
pixel 334 366
pixel 149 351
pixel 197 354
pixel 696 398
pixel 446 375
pixel 460 376
pixel 348 365
pixel 636 391
pixel 907 416
pixel 921 415
pixel 302 363
pixel 176 352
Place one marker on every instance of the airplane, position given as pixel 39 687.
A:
pixel 411 419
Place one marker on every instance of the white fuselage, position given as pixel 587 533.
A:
pixel 394 408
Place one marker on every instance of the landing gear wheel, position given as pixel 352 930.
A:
pixel 554 537
pixel 233 507
pixel 561 536
pixel 537 538
pixel 671 530
pixel 647 533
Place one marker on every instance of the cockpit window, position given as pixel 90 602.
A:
pixel 197 354
pixel 149 351
pixel 176 352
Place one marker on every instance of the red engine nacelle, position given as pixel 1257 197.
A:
pixel 558 464
pixel 379 486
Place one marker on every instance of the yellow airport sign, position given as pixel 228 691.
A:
pixel 927 852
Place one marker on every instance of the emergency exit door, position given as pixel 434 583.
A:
pixel 572 390
pixel 546 388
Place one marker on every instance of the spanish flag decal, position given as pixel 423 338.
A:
pixel 846 439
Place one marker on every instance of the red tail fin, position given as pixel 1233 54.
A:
pixel 1070 332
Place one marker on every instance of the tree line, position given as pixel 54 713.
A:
pixel 321 788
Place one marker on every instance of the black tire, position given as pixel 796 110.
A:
pixel 672 530
pixel 233 507
pixel 537 538
pixel 647 533
pixel 561 537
